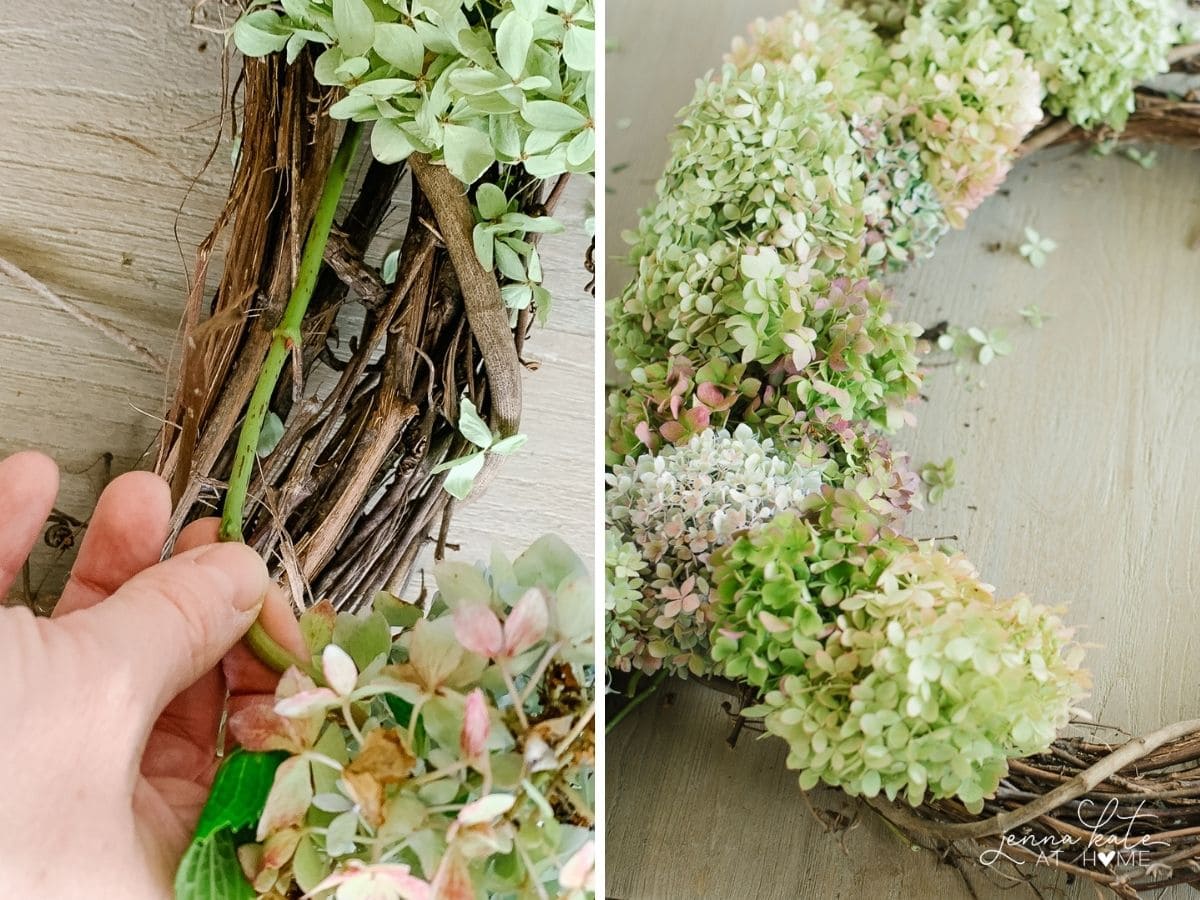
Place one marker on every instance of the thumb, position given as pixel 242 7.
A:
pixel 168 625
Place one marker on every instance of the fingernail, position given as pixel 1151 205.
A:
pixel 244 569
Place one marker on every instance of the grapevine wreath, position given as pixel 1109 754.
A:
pixel 755 510
pixel 337 399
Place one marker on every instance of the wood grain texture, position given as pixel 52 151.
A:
pixel 106 121
pixel 1079 482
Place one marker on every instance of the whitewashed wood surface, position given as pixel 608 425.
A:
pixel 1079 482
pixel 106 117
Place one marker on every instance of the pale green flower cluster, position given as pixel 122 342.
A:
pixel 666 514
pixel 467 82
pixel 904 215
pixel 1089 53
pixel 779 585
pixel 969 101
pixel 925 685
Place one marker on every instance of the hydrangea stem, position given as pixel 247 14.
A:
pixel 284 341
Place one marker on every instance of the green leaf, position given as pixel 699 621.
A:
pixel 389 143
pixel 270 435
pixel 582 148
pixel 261 33
pixel 308 866
pixel 316 627
pixel 508 262
pixel 401 46
pixel 461 478
pixel 540 224
pixel 471 424
pixel 579 48
pixel 468 152
pixel 398 613
pixel 509 445
pixel 239 792
pixel 448 464
pixel 355 26
pixel 550 115
pixel 513 39
pixel 516 296
pixel 365 638
pixel 484 243
pixel 491 201
pixel 391 262
pixel 210 870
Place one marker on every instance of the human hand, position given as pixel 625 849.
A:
pixel 111 708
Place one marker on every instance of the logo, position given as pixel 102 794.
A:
pixel 1105 840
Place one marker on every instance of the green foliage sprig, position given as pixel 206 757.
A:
pixel 468 82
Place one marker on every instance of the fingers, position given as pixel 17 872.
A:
pixel 244 673
pixel 28 486
pixel 125 536
pixel 197 534
pixel 172 623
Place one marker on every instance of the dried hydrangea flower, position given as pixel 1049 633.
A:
pixel 839 46
pixel 1089 53
pixel 779 584
pixel 904 215
pixel 674 510
pixel 971 101
pixel 859 364
pixel 457 748
pixel 926 685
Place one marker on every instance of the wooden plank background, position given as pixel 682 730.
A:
pixel 1079 482
pixel 106 119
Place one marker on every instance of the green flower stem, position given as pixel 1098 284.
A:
pixel 284 341
pixel 636 701
pixel 287 335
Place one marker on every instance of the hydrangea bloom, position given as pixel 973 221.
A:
pixel 1089 53
pixel 778 585
pixel 860 365
pixel 838 45
pixel 674 510
pixel 760 203
pixel 971 100
pixel 925 685
pixel 904 216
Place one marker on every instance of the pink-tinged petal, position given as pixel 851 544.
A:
pixel 486 809
pixel 527 623
pixel 306 703
pixel 257 727
pixel 379 881
pixel 478 629
pixel 710 395
pixel 293 681
pixel 579 872
pixel 476 726
pixel 698 417
pixel 642 432
pixel 672 431
pixel 280 847
pixel 340 672
pixel 453 879
pixel 289 799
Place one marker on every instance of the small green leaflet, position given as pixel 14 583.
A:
pixel 463 471
pixel 270 435
pixel 239 792
pixel 210 869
